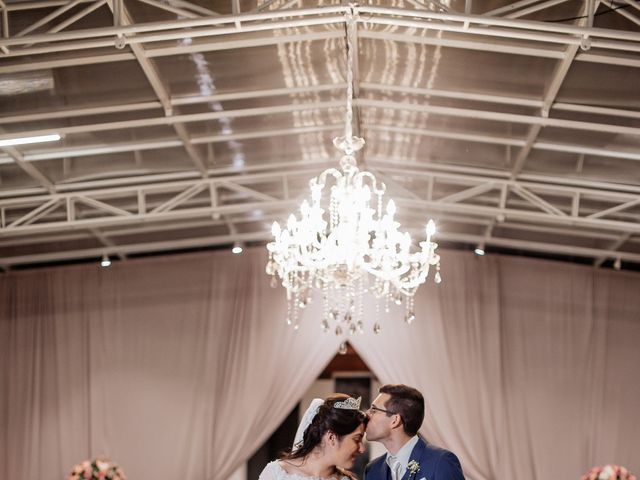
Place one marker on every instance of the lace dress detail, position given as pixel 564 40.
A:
pixel 274 471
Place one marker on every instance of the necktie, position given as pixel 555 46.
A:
pixel 394 465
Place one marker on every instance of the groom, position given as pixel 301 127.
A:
pixel 394 419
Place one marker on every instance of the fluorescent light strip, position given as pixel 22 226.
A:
pixel 26 140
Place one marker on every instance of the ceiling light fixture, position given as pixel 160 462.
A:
pixel 105 262
pixel 27 140
pixel 237 248
pixel 479 250
pixel 345 243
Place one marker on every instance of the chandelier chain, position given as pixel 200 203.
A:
pixel 351 33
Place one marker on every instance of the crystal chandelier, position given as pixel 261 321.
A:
pixel 345 244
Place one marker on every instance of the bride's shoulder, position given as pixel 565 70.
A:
pixel 271 472
pixel 276 471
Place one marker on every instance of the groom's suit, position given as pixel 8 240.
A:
pixel 435 464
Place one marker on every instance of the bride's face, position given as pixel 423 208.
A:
pixel 349 447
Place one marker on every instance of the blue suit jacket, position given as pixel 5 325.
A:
pixel 435 464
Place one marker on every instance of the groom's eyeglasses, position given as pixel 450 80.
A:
pixel 373 408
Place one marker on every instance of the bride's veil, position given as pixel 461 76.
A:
pixel 307 418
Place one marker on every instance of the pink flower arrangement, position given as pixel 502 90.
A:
pixel 100 468
pixel 609 472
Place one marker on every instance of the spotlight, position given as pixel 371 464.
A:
pixel 617 264
pixel 479 250
pixel 237 248
pixel 105 261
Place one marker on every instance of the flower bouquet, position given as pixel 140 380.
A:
pixel 98 469
pixel 609 472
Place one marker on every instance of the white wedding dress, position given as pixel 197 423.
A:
pixel 274 471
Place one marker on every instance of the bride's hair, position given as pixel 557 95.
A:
pixel 341 421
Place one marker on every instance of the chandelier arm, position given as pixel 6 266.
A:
pixel 377 187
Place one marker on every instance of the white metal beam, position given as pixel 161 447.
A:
pixel 43 21
pixel 29 169
pixel 248 112
pixel 178 101
pixel 153 77
pixel 510 7
pixel 517 29
pixel 628 16
pixel 614 246
pixel 551 92
pixel 551 214
pixel 270 20
pixel 265 235
pixel 107 242
pixel 535 8
pixel 171 8
pixel 174 119
pixel 502 117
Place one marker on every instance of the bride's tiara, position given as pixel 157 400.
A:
pixel 349 404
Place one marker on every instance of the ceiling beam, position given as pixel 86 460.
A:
pixel 153 77
pixel 276 109
pixel 265 235
pixel 535 8
pixel 108 214
pixel 516 29
pixel 551 92
pixel 28 168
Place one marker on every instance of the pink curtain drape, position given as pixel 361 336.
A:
pixel 529 368
pixel 177 368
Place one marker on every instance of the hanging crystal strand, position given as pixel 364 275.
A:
pixel 437 278
pixel 348 312
pixel 325 308
pixel 342 293
pixel 409 315
pixel 333 310
pixel 296 306
pixel 387 297
pixel 360 314
pixel 289 320
pixel 348 317
pixel 376 318
pixel 333 213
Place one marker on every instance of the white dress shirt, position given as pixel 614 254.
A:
pixel 403 456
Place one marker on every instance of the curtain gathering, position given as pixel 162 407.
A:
pixel 180 367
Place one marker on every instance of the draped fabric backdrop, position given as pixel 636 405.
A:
pixel 177 368
pixel 180 367
pixel 529 368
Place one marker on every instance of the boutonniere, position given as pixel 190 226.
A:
pixel 413 467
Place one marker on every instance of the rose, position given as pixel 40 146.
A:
pixel 608 472
pixel 100 468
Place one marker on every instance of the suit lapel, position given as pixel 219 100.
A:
pixel 416 454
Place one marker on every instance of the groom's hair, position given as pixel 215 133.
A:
pixel 408 403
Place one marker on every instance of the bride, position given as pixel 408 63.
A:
pixel 328 440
